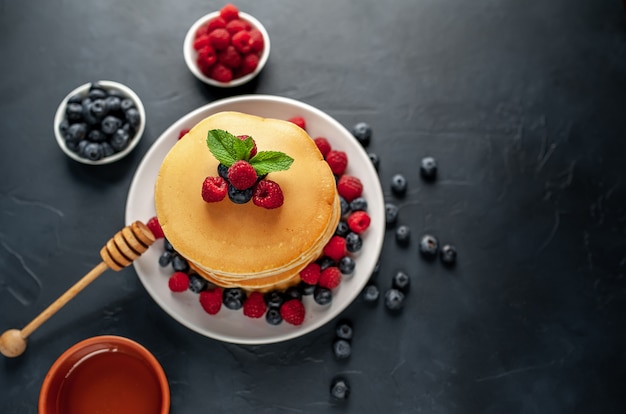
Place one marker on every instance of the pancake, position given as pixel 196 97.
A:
pixel 242 244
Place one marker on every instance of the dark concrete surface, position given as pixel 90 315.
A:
pixel 521 102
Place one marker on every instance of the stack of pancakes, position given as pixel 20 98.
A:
pixel 243 245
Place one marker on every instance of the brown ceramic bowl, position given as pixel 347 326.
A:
pixel 105 374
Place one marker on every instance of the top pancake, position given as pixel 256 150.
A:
pixel 241 239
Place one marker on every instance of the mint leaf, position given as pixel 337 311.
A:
pixel 265 162
pixel 243 148
pixel 222 145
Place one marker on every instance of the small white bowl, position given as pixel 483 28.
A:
pixel 190 54
pixel 83 90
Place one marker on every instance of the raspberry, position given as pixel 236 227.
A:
pixel 206 58
pixel 179 282
pixel 323 145
pixel 254 149
pixel 249 64
pixel 155 227
pixel 201 41
pixel 292 312
pixel 242 175
pixel 204 30
pixel 237 25
pixel 221 73
pixel 359 221
pixel 183 132
pixel 338 161
pixel 256 40
pixel 220 39
pixel 335 248
pixel 216 23
pixel 268 194
pixel 311 273
pixel 229 12
pixel 349 187
pixel 330 277
pixel 241 41
pixel 214 189
pixel 229 57
pixel 254 306
pixel 211 300
pixel 298 120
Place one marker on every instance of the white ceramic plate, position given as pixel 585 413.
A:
pixel 233 326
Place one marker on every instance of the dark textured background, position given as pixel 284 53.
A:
pixel 521 102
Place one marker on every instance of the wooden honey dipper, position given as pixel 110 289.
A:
pixel 120 251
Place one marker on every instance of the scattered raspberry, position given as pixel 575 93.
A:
pixel 179 282
pixel 215 23
pixel 183 132
pixel 254 149
pixel 330 277
pixel 349 187
pixel 292 312
pixel 242 175
pixel 237 25
pixel 249 64
pixel 311 273
pixel 214 189
pixel 241 41
pixel 359 221
pixel 257 42
pixel 323 145
pixel 229 57
pixel 220 39
pixel 229 12
pixel 155 227
pixel 298 120
pixel 338 161
pixel 254 306
pixel 268 194
pixel 211 300
pixel 201 41
pixel 221 73
pixel 335 248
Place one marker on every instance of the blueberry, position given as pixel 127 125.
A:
pixel 293 293
pixel 110 124
pixel 107 149
pixel 274 299
pixel 401 281
pixel 343 330
pixel 75 99
pixel 403 235
pixel 429 246
pixel 375 159
pixel 339 389
pixel 96 91
pixel 165 258
pixel 273 317
pixel 240 196
pixel 354 243
pixel 428 168
pixel 179 264
pixel 371 293
pixel 95 135
pixel 76 132
pixel 345 206
pixel 322 295
pixel 362 132
pixel 448 254
pixel 342 349
pixel 80 148
pixel 391 214
pixel 63 126
pixel 358 204
pixel 233 298
pixel 126 104
pixel 112 103
pixel 197 283
pixel 72 146
pixel 93 151
pixel 398 184
pixel 347 265
pixel 222 171
pixel 306 289
pixel 88 117
pixel 119 140
pixel 325 262
pixel 342 229
pixel 394 300
pixel 98 109
pixel 74 111
pixel 168 246
pixel 133 117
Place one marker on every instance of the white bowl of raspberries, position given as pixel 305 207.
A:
pixel 99 122
pixel 226 48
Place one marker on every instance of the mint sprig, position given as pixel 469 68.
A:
pixel 227 149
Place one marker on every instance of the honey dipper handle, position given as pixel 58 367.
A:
pixel 63 299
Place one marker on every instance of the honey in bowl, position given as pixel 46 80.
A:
pixel 105 375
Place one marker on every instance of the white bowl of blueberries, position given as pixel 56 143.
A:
pixel 99 122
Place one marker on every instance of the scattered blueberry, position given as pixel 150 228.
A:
pixel 222 171
pixel 322 295
pixel 401 281
pixel 325 262
pixel 293 293
pixel 354 243
pixel 168 246
pixel 272 316
pixel 428 168
pixel 403 235
pixel 343 330
pixel 362 132
pixel 233 298
pixel 375 159
pixel 239 196
pixel 342 229
pixel 358 204
pixel 342 349
pixel 398 184
pixel 165 259
pixel 391 214
pixel 339 389
pixel 345 206
pixel 394 299
pixel 347 265
pixel 429 246
pixel 371 293
pixel 448 254
pixel 179 264
pixel 274 299
pixel 197 283
pixel 306 289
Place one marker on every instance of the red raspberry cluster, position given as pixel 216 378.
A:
pixel 227 46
